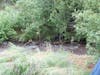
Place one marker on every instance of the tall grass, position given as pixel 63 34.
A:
pixel 15 61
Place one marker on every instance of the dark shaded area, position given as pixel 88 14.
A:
pixel 77 48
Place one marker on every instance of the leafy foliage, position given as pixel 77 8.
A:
pixel 88 24
pixel 46 19
pixel 7 19
pixel 33 17
pixel 36 18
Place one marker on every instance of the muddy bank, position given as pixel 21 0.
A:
pixel 76 48
pixel 79 49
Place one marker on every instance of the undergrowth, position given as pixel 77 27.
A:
pixel 16 61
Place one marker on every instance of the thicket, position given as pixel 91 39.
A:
pixel 23 20
pixel 40 19
pixel 7 20
pixel 88 24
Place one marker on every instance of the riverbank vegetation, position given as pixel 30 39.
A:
pixel 19 61
pixel 52 20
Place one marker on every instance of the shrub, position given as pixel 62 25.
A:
pixel 93 5
pixel 88 25
pixel 38 18
pixel 33 16
pixel 42 19
pixel 7 20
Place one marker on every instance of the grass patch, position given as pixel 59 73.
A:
pixel 16 61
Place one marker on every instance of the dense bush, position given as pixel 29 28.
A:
pixel 93 5
pixel 33 18
pixel 61 16
pixel 46 19
pixel 7 20
pixel 88 24
pixel 38 17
